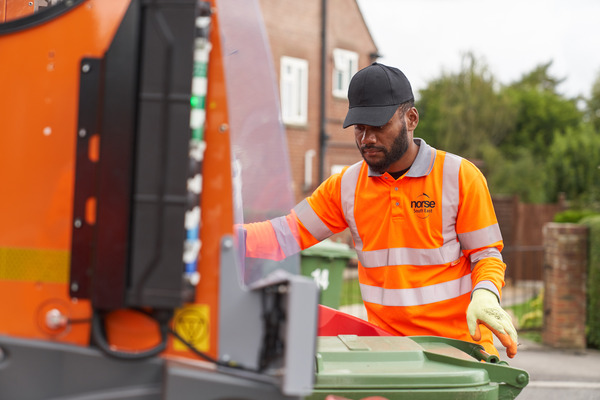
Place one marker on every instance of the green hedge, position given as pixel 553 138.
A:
pixel 593 281
pixel 573 216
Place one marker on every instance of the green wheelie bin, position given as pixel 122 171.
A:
pixel 416 368
pixel 325 263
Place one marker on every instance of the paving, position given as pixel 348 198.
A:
pixel 572 374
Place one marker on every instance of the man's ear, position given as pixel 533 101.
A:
pixel 412 119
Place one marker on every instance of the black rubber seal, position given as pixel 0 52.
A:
pixel 39 18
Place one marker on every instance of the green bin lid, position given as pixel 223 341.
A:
pixel 389 363
pixel 330 249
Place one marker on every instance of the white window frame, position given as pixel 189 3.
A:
pixel 345 65
pixel 293 90
pixel 337 168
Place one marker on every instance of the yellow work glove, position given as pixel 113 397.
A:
pixel 485 309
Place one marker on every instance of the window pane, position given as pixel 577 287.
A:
pixel 345 66
pixel 293 87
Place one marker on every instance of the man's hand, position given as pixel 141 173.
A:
pixel 485 309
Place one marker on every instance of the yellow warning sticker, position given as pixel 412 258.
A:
pixel 38 265
pixel 191 323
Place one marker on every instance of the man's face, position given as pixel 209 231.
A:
pixel 382 146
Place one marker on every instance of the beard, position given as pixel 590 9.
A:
pixel 399 147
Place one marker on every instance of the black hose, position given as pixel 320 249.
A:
pixel 99 338
pixel 162 318
pixel 194 350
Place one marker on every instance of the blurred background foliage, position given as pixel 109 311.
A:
pixel 528 138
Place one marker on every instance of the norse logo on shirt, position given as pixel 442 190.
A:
pixel 422 206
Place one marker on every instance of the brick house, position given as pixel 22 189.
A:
pixel 296 35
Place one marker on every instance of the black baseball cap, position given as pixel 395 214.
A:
pixel 375 93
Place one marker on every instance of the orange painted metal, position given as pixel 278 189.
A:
pixel 37 162
pixel 216 221
pixel 3 11
pixel 40 70
pixel 27 305
pixel 14 9
pixel 131 331
pixel 217 193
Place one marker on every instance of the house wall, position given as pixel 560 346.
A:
pixel 294 29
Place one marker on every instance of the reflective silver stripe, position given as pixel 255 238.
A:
pixel 481 237
pixel 348 188
pixel 489 286
pixel 311 221
pixel 416 296
pixel 285 237
pixel 450 198
pixel 485 253
pixel 407 256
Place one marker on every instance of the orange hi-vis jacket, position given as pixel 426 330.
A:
pixel 424 241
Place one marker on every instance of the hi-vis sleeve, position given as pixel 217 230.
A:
pixel 301 228
pixel 478 231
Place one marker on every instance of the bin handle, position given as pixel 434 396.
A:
pixel 511 380
pixel 472 349
pixel 483 355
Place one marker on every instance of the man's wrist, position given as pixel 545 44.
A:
pixel 488 285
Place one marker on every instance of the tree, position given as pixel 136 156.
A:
pixel 573 164
pixel 593 105
pixel 533 141
pixel 540 79
pixel 520 175
pixel 463 112
pixel 540 112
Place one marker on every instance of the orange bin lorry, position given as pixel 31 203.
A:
pixel 122 123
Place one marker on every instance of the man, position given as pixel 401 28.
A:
pixel 422 223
